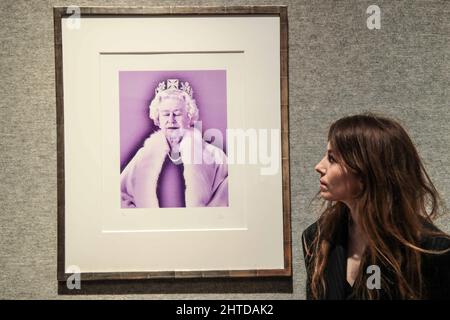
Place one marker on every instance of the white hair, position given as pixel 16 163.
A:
pixel 190 105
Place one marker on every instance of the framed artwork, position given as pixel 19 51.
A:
pixel 172 142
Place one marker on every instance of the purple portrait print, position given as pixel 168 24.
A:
pixel 154 166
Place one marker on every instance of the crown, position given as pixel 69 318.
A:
pixel 175 84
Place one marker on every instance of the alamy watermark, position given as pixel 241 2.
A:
pixel 244 146
pixel 374 280
pixel 74 280
pixel 74 20
pixel 374 20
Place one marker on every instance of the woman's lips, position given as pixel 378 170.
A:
pixel 323 186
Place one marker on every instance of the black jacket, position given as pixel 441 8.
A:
pixel 435 268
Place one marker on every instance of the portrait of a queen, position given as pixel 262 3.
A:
pixel 175 167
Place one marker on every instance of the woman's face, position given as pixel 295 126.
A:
pixel 337 183
pixel 173 116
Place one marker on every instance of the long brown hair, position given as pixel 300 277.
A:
pixel 396 203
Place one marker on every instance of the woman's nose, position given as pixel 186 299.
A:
pixel 320 168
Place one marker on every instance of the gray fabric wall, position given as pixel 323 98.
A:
pixel 336 67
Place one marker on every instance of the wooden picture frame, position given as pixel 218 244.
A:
pixel 69 163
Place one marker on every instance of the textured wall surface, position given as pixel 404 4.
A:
pixel 336 67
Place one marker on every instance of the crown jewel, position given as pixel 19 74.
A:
pixel 175 84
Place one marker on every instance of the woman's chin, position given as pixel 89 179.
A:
pixel 326 195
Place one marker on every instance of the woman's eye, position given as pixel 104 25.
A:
pixel 331 159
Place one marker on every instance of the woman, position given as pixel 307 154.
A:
pixel 175 167
pixel 378 222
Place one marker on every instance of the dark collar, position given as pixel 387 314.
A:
pixel 336 269
pixel 436 268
